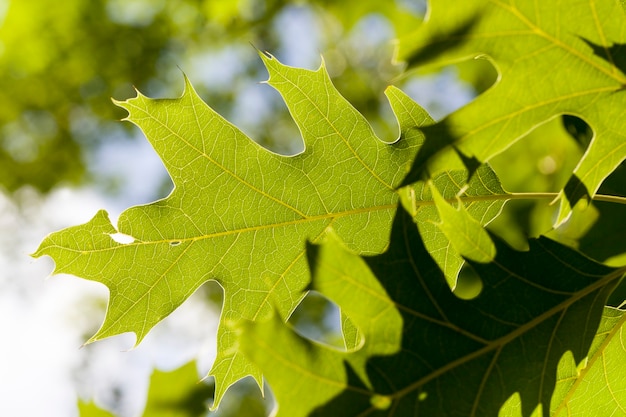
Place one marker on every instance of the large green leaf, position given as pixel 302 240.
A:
pixel 241 215
pixel 554 58
pixel 427 352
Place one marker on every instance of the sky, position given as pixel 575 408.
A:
pixel 45 319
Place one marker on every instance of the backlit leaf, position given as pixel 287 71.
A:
pixel 240 214
pixel 464 232
pixel 553 59
pixel 600 387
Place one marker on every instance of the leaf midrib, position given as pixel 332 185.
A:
pixel 331 216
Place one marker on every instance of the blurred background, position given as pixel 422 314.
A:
pixel 64 154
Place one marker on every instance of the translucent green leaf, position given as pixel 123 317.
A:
pixel 178 393
pixel 553 58
pixel 240 214
pixel 600 387
pixel 427 352
pixel 483 198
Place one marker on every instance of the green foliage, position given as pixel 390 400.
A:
pixel 464 232
pixel 457 357
pixel 177 393
pixel 595 386
pixel 50 86
pixel 533 39
pixel 270 228
pixel 599 386
pixel 483 198
pixel 255 214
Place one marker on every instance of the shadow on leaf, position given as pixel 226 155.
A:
pixel 467 357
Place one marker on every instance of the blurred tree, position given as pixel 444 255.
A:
pixel 61 62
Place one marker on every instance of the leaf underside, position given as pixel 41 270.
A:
pixel 240 214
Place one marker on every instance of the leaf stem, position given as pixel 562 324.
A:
pixel 598 197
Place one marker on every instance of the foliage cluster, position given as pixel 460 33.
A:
pixel 439 314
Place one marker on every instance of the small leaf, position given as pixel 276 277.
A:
pixel 483 198
pixel 178 393
pixel 465 233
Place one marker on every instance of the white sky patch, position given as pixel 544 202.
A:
pixel 369 33
pixel 44 321
pixel 122 238
pixel 40 339
pixel 136 13
pixel 219 69
pixel 130 168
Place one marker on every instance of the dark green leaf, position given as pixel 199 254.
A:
pixel 427 352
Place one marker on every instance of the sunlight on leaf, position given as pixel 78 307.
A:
pixel 240 214
pixel 596 385
pixel 553 59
